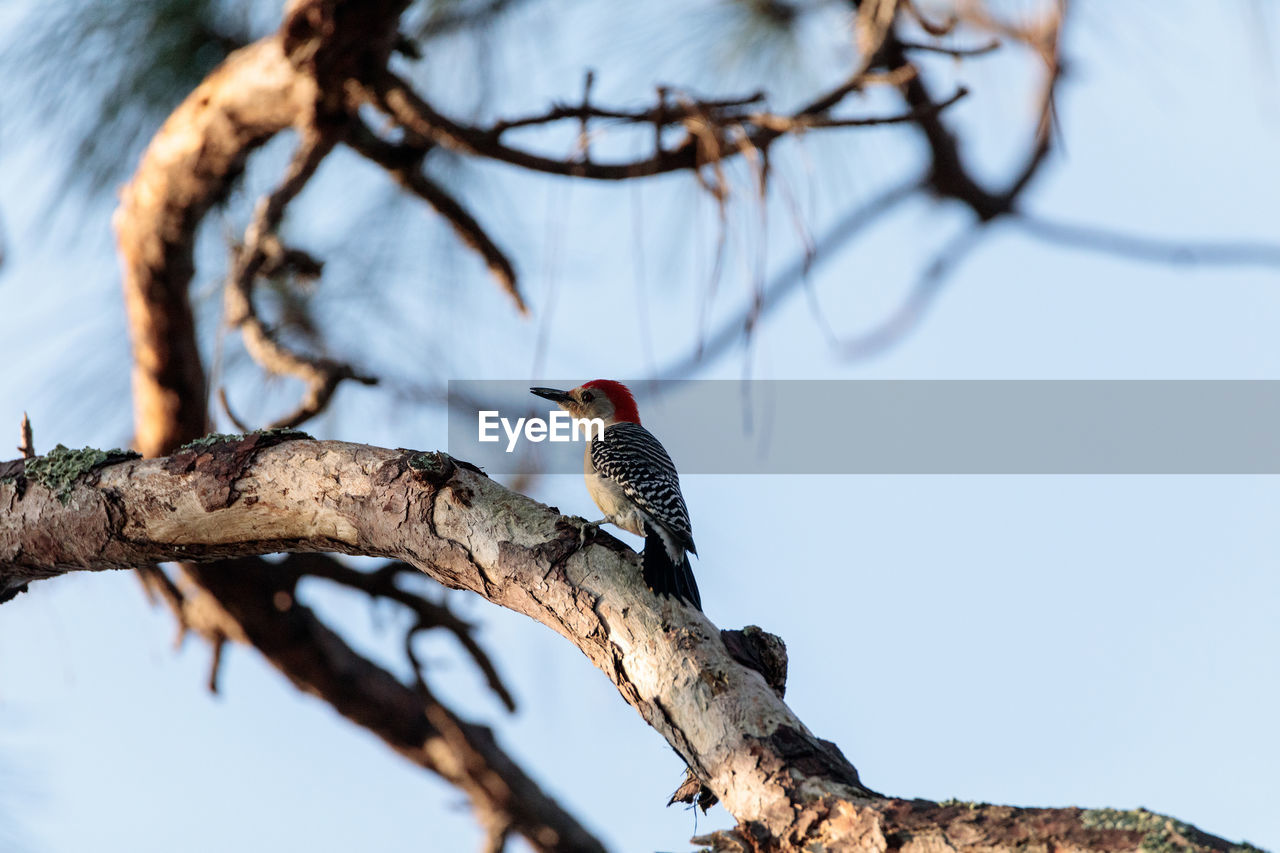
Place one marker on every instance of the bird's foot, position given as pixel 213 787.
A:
pixel 593 526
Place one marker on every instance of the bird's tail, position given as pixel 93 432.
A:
pixel 666 576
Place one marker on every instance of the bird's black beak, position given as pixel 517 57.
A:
pixel 552 394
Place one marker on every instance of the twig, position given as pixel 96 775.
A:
pixel 218 641
pixel 1049 46
pixel 784 124
pixel 704 121
pixel 662 114
pixel 790 278
pixel 157 585
pixel 226 408
pixel 381 584
pixel 406 167
pixel 26 446
pixel 415 665
pixel 933 28
pixel 584 138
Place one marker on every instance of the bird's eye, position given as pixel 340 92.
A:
pixel 586 396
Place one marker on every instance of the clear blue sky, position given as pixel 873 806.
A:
pixel 1093 641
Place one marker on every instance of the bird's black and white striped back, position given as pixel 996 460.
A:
pixel 632 457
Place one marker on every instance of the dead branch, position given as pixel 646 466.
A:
pixel 254 602
pixel 261 599
pixel 949 176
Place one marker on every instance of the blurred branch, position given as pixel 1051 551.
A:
pixel 187 167
pixel 260 600
pixel 957 52
pixel 1150 249
pixel 262 246
pixel 254 602
pixel 787 280
pixel 913 308
pixel 949 176
pixel 405 164
pixel 714 129
pixel 381 583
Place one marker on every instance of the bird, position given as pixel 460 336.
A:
pixel 633 481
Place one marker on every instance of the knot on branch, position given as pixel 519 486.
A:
pixel 432 467
pixel 757 649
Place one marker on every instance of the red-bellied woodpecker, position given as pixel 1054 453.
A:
pixel 633 481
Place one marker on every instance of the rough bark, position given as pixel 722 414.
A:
pixel 787 788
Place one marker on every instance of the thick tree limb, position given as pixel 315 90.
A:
pixel 189 165
pixel 227 502
pixel 786 787
pixel 249 600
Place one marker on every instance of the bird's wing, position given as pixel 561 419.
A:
pixel 632 457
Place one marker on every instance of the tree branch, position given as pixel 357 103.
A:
pixel 381 583
pixel 243 498
pixel 413 722
pixel 188 166
pixel 262 247
pixel 787 788
pixel 710 127
pixel 405 165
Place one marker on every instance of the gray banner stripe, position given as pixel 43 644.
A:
pixel 911 427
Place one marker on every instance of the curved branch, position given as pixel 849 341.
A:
pixel 381 583
pixel 192 162
pixel 740 327
pixel 1091 238
pixel 398 100
pixel 787 788
pixel 465 531
pixel 405 165
pixel 188 166
pixel 261 248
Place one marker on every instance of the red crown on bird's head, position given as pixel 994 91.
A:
pixel 624 404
